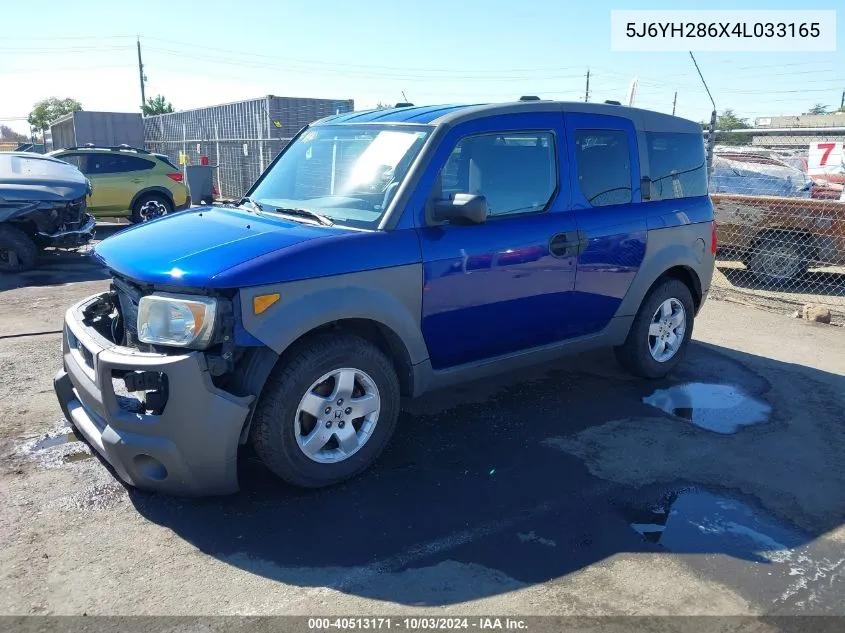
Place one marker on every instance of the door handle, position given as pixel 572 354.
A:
pixel 569 244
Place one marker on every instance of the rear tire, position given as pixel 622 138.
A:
pixel 149 207
pixel 661 331
pixel 18 252
pixel 779 259
pixel 311 450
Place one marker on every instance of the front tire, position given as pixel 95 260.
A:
pixel 328 412
pixel 149 207
pixel 18 252
pixel 660 333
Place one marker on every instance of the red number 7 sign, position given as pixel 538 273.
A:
pixel 828 148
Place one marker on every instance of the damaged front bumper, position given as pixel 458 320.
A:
pixel 70 238
pixel 186 445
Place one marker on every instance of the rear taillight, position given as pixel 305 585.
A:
pixel 177 176
pixel 713 237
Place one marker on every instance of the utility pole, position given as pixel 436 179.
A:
pixel 674 101
pixel 587 91
pixel 842 103
pixel 141 75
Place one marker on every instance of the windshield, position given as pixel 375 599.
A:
pixel 348 173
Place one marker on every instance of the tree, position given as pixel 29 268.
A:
pixel 48 110
pixel 818 109
pixel 156 105
pixel 383 106
pixel 10 136
pixel 728 120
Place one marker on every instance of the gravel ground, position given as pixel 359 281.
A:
pixel 822 286
pixel 555 491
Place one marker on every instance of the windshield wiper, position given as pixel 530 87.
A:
pixel 253 202
pixel 305 213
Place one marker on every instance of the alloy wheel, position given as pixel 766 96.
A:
pixel 152 209
pixel 667 329
pixel 337 415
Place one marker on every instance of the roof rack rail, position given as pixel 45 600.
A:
pixel 112 148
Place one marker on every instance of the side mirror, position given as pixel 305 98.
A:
pixel 462 208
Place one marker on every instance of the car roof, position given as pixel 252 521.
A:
pixel 409 114
pixel 30 169
pixel 452 114
pixel 31 155
pixel 105 149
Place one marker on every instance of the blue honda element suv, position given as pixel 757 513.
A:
pixel 384 254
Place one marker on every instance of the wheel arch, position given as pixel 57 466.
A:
pixel 779 231
pixel 254 368
pixel 155 190
pixel 381 306
pixel 688 277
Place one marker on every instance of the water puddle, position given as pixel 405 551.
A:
pixel 59 447
pixel 78 457
pixel 719 408
pixel 58 440
pixel 702 522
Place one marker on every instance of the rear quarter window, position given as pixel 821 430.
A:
pixel 164 159
pixel 678 165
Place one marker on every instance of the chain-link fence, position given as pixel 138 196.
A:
pixel 780 217
pixel 239 140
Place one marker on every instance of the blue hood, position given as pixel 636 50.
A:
pixel 192 248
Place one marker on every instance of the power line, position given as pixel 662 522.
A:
pixel 335 64
pixel 51 38
pixel 339 72
pixel 61 51
pixel 442 78
pixel 68 69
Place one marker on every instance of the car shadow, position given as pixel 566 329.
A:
pixel 814 282
pixel 518 480
pixel 63 266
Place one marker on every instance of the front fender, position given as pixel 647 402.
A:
pixel 391 297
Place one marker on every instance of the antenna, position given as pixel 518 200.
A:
pixel 711 136
pixel 632 91
pixel 403 96
pixel 587 91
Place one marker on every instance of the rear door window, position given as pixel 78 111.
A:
pixel 74 159
pixel 677 165
pixel 116 164
pixel 603 166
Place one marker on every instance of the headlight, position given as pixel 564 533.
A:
pixel 165 319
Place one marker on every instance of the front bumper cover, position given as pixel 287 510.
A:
pixel 184 205
pixel 189 449
pixel 70 239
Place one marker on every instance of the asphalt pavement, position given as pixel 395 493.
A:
pixel 571 488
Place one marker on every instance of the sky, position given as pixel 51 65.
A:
pixel 436 51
